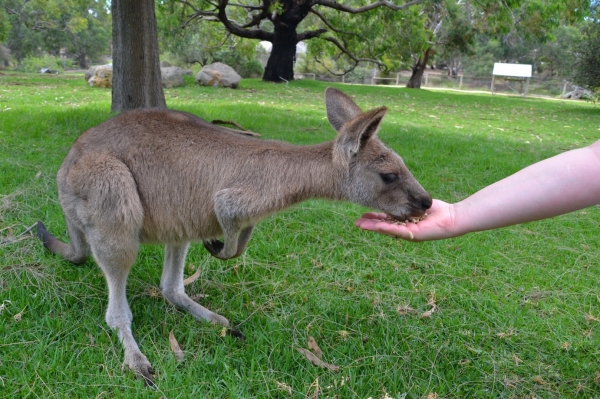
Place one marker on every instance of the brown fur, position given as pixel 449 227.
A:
pixel 159 176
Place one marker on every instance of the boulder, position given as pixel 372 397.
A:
pixel 102 76
pixel 172 76
pixel 217 75
pixel 90 72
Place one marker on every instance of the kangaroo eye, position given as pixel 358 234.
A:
pixel 388 178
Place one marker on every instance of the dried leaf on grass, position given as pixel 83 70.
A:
pixel 428 313
pixel 430 302
pixel 316 361
pixel 316 391
pixel 538 380
pixel 312 345
pixel 193 277
pixel 507 334
pixel 10 238
pixel 405 309
pixel 517 360
pixel 175 347
pixel 19 316
pixel 589 318
pixel 284 387
pixel 4 304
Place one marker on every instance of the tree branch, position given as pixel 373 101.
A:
pixel 329 25
pixel 380 3
pixel 352 56
pixel 309 34
pixel 318 61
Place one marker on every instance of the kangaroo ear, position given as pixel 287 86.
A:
pixel 340 108
pixel 361 129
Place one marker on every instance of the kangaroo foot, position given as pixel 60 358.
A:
pixel 141 367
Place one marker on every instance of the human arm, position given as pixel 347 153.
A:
pixel 554 186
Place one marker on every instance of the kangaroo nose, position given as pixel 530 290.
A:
pixel 426 202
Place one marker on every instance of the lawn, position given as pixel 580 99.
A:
pixel 517 309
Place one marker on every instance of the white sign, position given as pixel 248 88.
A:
pixel 518 70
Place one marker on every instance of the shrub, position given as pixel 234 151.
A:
pixel 252 68
pixel 35 64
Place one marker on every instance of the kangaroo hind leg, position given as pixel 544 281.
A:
pixel 111 213
pixel 171 285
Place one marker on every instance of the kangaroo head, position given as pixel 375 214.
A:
pixel 377 176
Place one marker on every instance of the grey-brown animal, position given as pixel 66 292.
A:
pixel 160 176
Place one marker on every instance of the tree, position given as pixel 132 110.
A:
pixel 136 65
pixel 80 26
pixel 203 43
pixel 556 57
pixel 278 22
pixel 509 20
pixel 587 66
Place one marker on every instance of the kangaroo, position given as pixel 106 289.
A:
pixel 161 176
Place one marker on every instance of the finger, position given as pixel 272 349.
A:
pixel 365 224
pixel 374 215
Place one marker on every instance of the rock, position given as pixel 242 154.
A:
pixel 102 76
pixel 172 76
pixel 217 75
pixel 90 72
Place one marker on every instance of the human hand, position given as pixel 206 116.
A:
pixel 438 224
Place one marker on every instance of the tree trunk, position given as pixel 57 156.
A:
pixel 81 59
pixel 280 65
pixel 417 70
pixel 136 69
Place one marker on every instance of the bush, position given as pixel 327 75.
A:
pixel 587 66
pixel 251 69
pixel 35 64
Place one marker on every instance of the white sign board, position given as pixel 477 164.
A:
pixel 516 70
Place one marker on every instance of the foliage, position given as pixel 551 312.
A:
pixel 36 64
pixel 4 25
pixel 556 58
pixel 519 31
pixel 587 66
pixel 389 37
pixel 284 23
pixel 203 43
pixel 486 53
pixel 81 27
pixel 517 308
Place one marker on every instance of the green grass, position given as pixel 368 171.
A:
pixel 518 307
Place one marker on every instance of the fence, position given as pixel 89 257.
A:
pixel 537 86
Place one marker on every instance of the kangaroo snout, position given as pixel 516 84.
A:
pixel 424 202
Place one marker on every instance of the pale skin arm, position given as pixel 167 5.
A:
pixel 557 185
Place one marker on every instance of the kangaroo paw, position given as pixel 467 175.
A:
pixel 141 367
pixel 214 247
